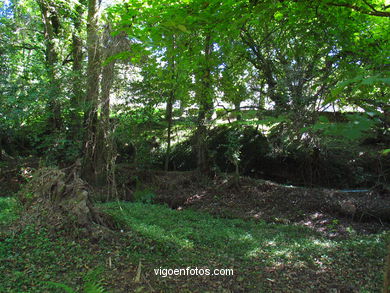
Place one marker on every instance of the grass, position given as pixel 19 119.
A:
pixel 8 210
pixel 177 239
pixel 33 260
pixel 265 257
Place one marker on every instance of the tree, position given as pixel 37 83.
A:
pixel 52 27
pixel 99 152
pixel 92 92
pixel 78 93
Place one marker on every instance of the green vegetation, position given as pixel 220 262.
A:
pixel 108 108
pixel 8 210
pixel 311 77
pixel 158 237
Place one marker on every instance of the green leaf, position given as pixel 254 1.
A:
pixel 278 15
pixel 385 152
pixel 182 28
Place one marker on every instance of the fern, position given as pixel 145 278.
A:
pixel 62 286
pixel 93 287
pixel 92 283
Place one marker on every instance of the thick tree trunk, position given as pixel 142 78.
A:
pixel 92 95
pixel 104 144
pixel 100 153
pixel 237 110
pixel 105 162
pixel 51 30
pixel 78 93
pixel 111 46
pixel 93 67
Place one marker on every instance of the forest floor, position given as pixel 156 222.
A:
pixel 333 213
pixel 275 238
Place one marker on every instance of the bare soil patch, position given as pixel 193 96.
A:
pixel 335 213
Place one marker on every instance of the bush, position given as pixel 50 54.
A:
pixel 183 155
pixel 252 145
pixel 248 144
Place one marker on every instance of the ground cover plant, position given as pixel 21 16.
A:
pixel 265 257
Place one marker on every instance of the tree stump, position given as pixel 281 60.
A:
pixel 60 199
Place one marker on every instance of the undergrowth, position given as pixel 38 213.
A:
pixel 164 237
pixel 8 210
pixel 265 257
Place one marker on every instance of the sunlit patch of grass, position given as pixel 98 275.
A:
pixel 243 241
pixel 162 237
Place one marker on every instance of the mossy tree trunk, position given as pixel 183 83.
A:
pixel 78 93
pixel 89 171
pixel 99 146
pixel 52 27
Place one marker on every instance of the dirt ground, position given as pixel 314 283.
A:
pixel 334 213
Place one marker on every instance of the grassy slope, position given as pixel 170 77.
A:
pixel 265 257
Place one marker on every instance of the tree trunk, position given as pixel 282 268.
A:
pixel 105 147
pixel 205 112
pixel 51 30
pixel 237 110
pixel 92 96
pixel 171 100
pixel 105 162
pixel 168 116
pixel 78 93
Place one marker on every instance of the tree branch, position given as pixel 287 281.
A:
pixel 362 10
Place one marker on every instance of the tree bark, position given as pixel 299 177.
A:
pixel 205 111
pixel 78 93
pixel 237 110
pixel 171 100
pixel 105 162
pixel 92 95
pixel 168 116
pixel 51 30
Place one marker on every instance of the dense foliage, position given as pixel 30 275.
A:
pixel 311 77
pixel 151 235
pixel 117 100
